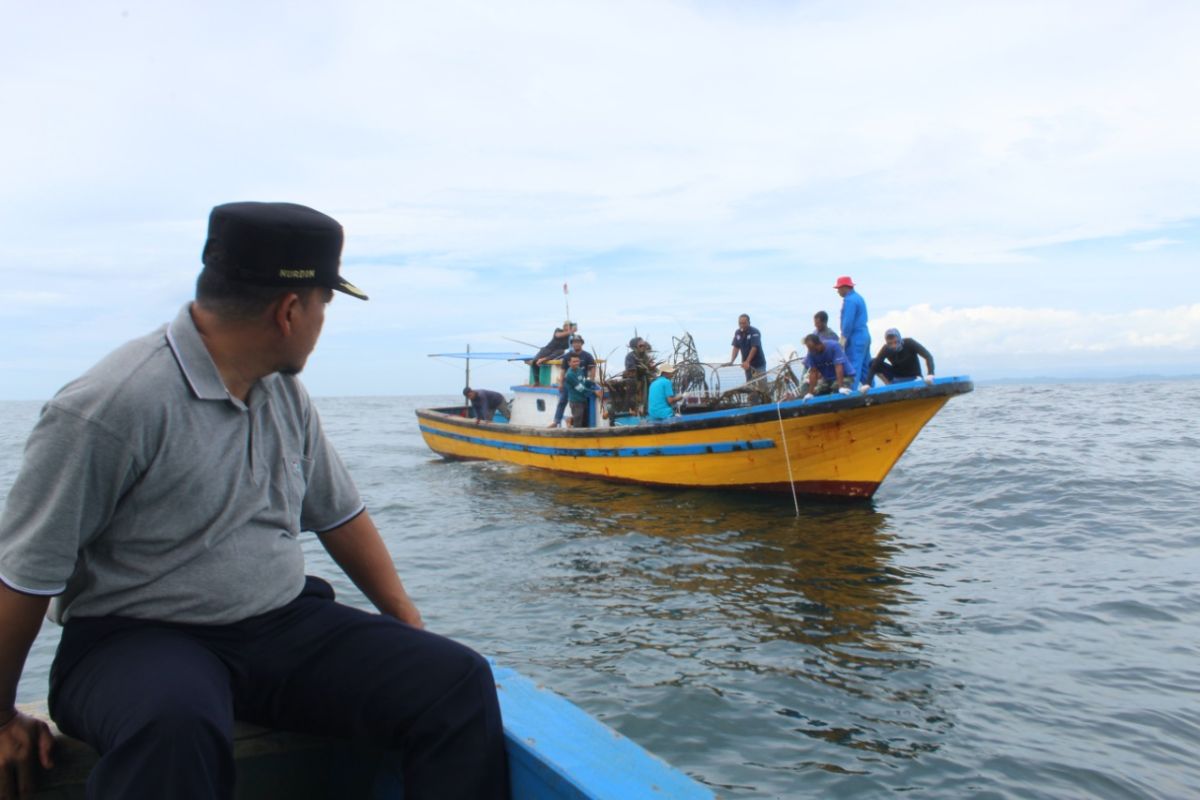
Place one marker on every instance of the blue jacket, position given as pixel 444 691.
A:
pixel 854 316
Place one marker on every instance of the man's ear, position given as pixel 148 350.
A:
pixel 283 312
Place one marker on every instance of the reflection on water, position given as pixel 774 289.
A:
pixel 716 593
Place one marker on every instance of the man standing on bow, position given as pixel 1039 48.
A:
pixel 747 341
pixel 162 502
pixel 856 339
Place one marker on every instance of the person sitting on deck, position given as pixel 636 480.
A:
pixel 557 345
pixel 827 367
pixel 587 361
pixel 485 403
pixel 661 404
pixel 821 326
pixel 638 361
pixel 161 503
pixel 897 361
pixel 579 390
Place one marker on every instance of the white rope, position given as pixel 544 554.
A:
pixel 788 458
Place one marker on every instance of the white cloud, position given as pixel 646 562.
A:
pixel 1150 245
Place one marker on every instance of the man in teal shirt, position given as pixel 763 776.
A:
pixel 579 390
pixel 662 395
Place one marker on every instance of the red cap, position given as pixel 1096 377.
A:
pixel 844 281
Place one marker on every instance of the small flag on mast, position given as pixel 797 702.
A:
pixel 564 288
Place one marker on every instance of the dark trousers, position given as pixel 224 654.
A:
pixel 561 408
pixel 158 700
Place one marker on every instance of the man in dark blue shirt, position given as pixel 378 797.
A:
pixel 485 403
pixel 748 341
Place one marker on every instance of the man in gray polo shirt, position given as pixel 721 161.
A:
pixel 161 503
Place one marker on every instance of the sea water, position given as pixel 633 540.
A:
pixel 1014 615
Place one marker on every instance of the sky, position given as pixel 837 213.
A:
pixel 1015 185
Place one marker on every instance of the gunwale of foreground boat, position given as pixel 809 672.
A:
pixel 835 445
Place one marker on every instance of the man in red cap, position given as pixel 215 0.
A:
pixel 856 339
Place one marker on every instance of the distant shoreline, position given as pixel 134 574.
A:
pixel 1039 380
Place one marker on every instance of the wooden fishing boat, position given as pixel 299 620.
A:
pixel 833 445
pixel 556 751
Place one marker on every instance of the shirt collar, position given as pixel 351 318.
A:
pixel 195 362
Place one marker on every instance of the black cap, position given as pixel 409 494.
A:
pixel 276 244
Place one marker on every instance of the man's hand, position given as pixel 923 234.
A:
pixel 22 739
pixel 863 388
pixel 359 550
pixel 409 613
pixel 929 379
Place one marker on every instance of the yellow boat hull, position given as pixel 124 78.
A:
pixel 841 446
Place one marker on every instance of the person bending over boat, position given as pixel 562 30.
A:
pixel 821 326
pixel 897 361
pixel 485 403
pixel 160 504
pixel 828 368
pixel 662 400
pixel 580 389
pixel 856 339
pixel 747 341
pixel 587 361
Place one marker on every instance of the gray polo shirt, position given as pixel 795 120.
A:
pixel 148 491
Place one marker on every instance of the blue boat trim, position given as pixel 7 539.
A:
pixel 524 389
pixel 557 751
pixel 610 452
pixel 834 397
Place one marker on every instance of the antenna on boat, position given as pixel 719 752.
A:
pixel 567 300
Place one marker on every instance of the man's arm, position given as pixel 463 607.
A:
pixel 359 550
pixel 22 738
pixel 925 354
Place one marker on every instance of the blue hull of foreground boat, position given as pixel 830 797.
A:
pixel 556 751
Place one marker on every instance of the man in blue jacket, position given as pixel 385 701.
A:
pixel 856 339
